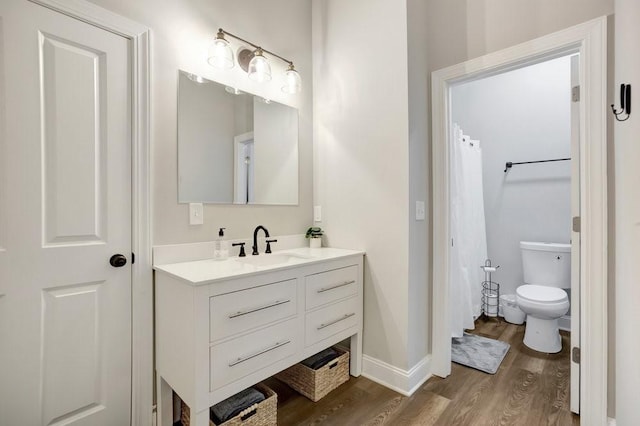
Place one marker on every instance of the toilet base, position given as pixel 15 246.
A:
pixel 542 335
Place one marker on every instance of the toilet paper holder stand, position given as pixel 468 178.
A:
pixel 490 290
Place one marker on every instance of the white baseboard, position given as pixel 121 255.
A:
pixel 397 379
pixel 611 422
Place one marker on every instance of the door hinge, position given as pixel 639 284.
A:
pixel 576 224
pixel 575 93
pixel 575 355
pixel 133 258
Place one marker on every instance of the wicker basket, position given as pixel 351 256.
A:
pixel 315 384
pixel 263 414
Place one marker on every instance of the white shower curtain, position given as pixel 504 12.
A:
pixel 468 231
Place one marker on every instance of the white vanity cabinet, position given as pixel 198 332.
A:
pixel 224 326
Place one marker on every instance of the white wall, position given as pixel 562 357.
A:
pixel 419 160
pixel 627 218
pixel 521 115
pixel 464 29
pixel 361 155
pixel 181 31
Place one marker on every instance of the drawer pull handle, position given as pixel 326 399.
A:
pixel 322 290
pixel 321 326
pixel 264 351
pixel 271 305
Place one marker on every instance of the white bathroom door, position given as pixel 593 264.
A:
pixel 65 186
pixel 575 234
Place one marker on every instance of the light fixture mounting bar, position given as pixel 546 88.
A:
pixel 220 30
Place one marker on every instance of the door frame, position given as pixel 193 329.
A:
pixel 590 40
pixel 141 269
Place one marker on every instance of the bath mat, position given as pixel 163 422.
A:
pixel 478 352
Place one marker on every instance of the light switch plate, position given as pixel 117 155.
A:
pixel 317 213
pixel 419 210
pixel 196 214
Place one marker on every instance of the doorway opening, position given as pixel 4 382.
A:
pixel 589 41
pixel 514 189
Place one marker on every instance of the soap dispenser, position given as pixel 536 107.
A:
pixel 221 247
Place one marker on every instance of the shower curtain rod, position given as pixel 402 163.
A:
pixel 510 164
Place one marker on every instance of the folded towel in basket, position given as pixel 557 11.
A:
pixel 232 406
pixel 321 359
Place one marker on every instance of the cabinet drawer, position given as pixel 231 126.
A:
pixel 333 319
pixel 234 359
pixel 330 286
pixel 241 311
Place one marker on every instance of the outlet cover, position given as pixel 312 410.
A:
pixel 419 210
pixel 196 214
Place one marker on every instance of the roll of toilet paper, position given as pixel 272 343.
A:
pixel 489 268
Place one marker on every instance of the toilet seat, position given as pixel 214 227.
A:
pixel 542 294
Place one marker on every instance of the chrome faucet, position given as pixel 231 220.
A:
pixel 255 238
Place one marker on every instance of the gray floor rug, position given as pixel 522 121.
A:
pixel 478 352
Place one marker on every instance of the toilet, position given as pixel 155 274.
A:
pixel 547 271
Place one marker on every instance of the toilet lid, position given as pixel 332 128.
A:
pixel 540 293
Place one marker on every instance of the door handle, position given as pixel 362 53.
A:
pixel 118 261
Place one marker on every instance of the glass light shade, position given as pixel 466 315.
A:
pixel 292 81
pixel 259 68
pixel 220 54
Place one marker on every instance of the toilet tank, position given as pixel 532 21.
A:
pixel 546 264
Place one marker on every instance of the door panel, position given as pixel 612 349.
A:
pixel 65 318
pixel 73 139
pixel 71 355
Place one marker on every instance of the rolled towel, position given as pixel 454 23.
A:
pixel 232 406
pixel 321 359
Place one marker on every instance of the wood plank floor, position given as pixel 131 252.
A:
pixel 529 389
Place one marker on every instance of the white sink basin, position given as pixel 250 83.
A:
pixel 272 259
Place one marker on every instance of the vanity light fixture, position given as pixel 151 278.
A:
pixel 252 61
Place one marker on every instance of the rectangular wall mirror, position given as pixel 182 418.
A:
pixel 234 147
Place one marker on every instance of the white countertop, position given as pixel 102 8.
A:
pixel 206 271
